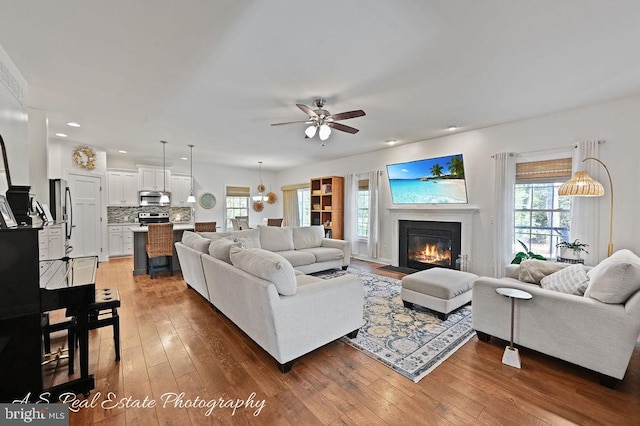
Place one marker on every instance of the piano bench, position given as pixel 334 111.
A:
pixel 104 312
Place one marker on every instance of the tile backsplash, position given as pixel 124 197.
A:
pixel 130 214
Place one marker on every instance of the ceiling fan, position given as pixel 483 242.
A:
pixel 321 121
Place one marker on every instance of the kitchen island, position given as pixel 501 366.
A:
pixel 140 241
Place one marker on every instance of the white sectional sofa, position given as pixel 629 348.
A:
pixel 597 330
pixel 283 310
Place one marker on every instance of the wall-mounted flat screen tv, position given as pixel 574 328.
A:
pixel 430 181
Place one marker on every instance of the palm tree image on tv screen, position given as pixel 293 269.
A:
pixel 430 181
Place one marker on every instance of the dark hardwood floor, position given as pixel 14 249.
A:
pixel 173 341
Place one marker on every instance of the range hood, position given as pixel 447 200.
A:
pixel 152 198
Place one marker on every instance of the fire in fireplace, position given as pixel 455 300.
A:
pixel 430 250
pixel 428 244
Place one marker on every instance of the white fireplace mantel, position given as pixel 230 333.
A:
pixel 463 214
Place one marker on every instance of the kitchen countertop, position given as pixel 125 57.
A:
pixel 177 226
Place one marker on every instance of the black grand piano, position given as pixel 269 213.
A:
pixel 28 288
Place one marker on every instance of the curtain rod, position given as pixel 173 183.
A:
pixel 575 145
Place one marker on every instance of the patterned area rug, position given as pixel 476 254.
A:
pixel 410 341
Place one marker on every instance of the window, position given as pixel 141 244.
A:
pixel 362 218
pixel 236 203
pixel 542 218
pixel 304 206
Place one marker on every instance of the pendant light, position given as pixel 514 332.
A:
pixel 191 198
pixel 164 199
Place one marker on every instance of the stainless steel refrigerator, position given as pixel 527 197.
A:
pixel 61 206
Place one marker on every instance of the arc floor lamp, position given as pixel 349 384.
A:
pixel 583 185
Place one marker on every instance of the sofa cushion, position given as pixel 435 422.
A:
pixel 307 236
pixel 616 278
pixel 306 279
pixel 273 238
pixel 298 257
pixel 571 280
pixel 195 241
pixel 325 254
pixel 266 265
pixel 532 271
pixel 219 248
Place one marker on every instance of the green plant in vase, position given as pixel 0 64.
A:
pixel 526 254
pixel 572 250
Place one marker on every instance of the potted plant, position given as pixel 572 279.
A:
pixel 572 250
pixel 526 254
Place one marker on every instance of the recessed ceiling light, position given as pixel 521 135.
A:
pixel 73 124
pixel 392 142
pixel 184 158
pixel 62 135
pixel 122 151
pixel 453 127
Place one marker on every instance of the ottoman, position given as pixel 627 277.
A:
pixel 439 289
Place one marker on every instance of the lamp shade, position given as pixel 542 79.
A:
pixel 191 199
pixel 581 185
pixel 324 132
pixel 310 131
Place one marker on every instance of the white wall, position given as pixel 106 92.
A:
pixel 616 122
pixel 13 122
pixel 38 154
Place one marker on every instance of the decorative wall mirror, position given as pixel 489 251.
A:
pixel 207 200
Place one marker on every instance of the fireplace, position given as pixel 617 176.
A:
pixel 429 244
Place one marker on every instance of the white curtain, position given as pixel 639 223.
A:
pixel 372 244
pixel 351 211
pixel 585 221
pixel 503 220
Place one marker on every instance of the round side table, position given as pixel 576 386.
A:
pixel 511 355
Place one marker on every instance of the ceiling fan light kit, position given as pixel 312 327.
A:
pixel 321 121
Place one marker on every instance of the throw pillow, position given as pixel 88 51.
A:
pixel 532 271
pixel 201 245
pixel 245 243
pixel 188 237
pixel 307 236
pixel 615 279
pixel 571 280
pixel 274 238
pixel 219 248
pixel 266 265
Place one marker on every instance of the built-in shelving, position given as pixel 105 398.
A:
pixel 327 200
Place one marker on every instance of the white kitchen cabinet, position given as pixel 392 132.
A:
pixel 120 240
pixel 180 190
pixel 122 188
pixel 51 241
pixel 152 179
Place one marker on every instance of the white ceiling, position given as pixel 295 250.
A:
pixel 216 74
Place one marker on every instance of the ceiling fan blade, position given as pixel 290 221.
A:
pixel 307 110
pixel 348 114
pixel 289 122
pixel 343 128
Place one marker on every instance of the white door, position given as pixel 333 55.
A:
pixel 86 234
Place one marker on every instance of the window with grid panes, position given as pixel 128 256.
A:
pixel 541 217
pixel 304 206
pixel 236 203
pixel 362 218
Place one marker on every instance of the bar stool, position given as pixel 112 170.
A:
pixel 159 244
pixel 205 227
pixel 274 222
